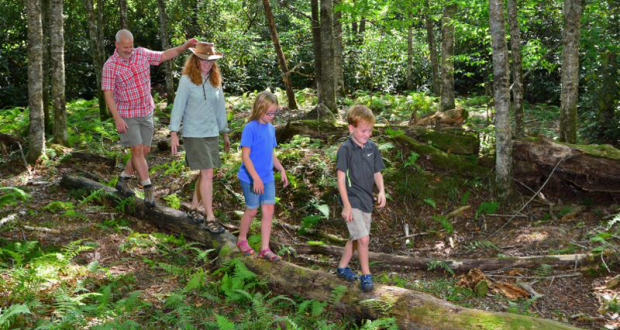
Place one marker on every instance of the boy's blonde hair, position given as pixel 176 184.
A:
pixel 360 113
pixel 263 101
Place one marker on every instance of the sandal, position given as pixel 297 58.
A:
pixel 269 255
pixel 195 216
pixel 213 226
pixel 245 248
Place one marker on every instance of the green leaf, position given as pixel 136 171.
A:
pixel 430 202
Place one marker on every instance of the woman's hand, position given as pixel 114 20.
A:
pixel 174 143
pixel 226 142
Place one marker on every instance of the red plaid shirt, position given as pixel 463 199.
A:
pixel 130 80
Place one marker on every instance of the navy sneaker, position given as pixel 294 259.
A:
pixel 347 274
pixel 366 283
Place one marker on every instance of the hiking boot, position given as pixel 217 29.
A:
pixel 149 197
pixel 347 274
pixel 366 283
pixel 123 188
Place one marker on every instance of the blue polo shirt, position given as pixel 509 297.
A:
pixel 360 165
pixel 261 139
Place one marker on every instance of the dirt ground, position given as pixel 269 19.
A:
pixel 576 296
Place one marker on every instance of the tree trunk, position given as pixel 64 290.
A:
pixel 608 99
pixel 447 59
pixel 328 76
pixel 163 33
pixel 316 46
pixel 97 49
pixel 410 53
pixel 286 75
pixel 45 14
pixel 501 97
pixel 575 169
pixel 338 49
pixel 517 67
pixel 570 70
pixel 122 8
pixel 430 35
pixel 36 133
pixel 57 41
pixel 411 309
pixel 461 265
pixel 361 30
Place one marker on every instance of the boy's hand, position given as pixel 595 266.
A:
pixel 381 199
pixel 347 214
pixel 284 178
pixel 258 186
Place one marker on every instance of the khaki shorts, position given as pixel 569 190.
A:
pixel 360 226
pixel 202 153
pixel 139 131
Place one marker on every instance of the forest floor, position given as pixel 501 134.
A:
pixel 135 257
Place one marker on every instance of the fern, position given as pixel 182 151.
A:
pixel 223 323
pixel 440 264
pixel 11 195
pixel 382 323
pixel 337 294
pixel 196 281
pixel 381 307
pixel 172 269
pixel 8 315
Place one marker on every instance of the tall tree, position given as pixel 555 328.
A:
pixel 95 32
pixel 570 70
pixel 316 45
pixel 338 49
pixel 410 53
pixel 165 44
pixel 57 46
pixel 286 74
pixel 122 8
pixel 517 67
pixel 328 77
pixel 430 36
pixel 607 98
pixel 501 98
pixel 45 14
pixel 35 78
pixel 447 59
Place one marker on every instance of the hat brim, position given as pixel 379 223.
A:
pixel 217 55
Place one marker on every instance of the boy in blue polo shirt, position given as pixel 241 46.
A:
pixel 359 165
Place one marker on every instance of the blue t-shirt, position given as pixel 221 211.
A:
pixel 261 139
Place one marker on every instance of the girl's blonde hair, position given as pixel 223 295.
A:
pixel 192 70
pixel 263 101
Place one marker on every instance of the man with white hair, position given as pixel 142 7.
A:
pixel 126 85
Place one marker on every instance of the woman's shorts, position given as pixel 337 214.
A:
pixel 253 200
pixel 202 153
pixel 360 226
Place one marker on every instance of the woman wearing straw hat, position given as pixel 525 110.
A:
pixel 199 105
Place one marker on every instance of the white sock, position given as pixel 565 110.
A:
pixel 125 175
pixel 145 182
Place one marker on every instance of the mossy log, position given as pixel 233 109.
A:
pixel 580 168
pixel 451 117
pixel 460 265
pixel 411 309
pixel 450 140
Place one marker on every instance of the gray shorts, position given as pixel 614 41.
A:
pixel 360 226
pixel 202 153
pixel 139 131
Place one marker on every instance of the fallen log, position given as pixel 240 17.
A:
pixel 411 309
pixel 461 265
pixel 93 158
pixel 580 168
pixel 450 140
pixel 453 117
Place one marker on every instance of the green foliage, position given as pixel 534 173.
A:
pixel 482 245
pixel 430 202
pixel 486 208
pixel 58 206
pixel 236 277
pixel 173 201
pixel 8 315
pixel 441 265
pixel 12 195
pixel 444 222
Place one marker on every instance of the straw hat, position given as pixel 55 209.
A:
pixel 206 51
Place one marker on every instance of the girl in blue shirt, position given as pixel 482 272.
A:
pixel 199 105
pixel 258 140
